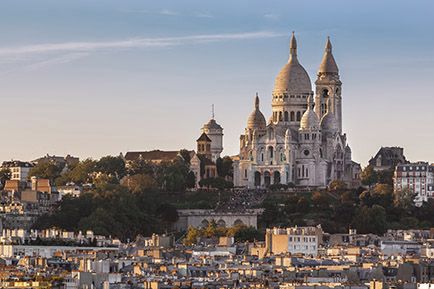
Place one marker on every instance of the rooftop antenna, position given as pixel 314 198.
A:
pixel 212 111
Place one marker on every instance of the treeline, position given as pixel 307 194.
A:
pixel 138 175
pixel 241 233
pixel 126 200
pixel 371 210
pixel 112 210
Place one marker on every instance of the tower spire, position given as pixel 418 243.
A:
pixel 257 101
pixel 293 47
pixel 328 47
pixel 212 111
pixel 328 63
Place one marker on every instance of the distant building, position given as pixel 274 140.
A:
pixel 19 170
pixel 208 149
pixel 388 158
pixel 215 134
pixel 417 178
pixel 13 186
pixel 57 160
pixel 200 218
pixel 71 190
pixel 154 156
pixel 294 240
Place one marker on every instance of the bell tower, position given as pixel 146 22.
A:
pixel 329 86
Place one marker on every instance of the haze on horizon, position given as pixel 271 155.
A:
pixel 91 78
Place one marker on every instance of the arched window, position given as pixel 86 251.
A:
pixel 298 116
pixel 270 153
pixel 307 172
pixel 280 116
pixel 292 116
pixel 257 178
pixel 286 116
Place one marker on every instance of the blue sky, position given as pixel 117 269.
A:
pixel 92 78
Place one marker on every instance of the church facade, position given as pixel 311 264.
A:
pixel 302 143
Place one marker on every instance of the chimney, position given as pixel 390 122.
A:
pixel 34 181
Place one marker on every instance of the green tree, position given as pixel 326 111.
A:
pixel 303 205
pixel 347 198
pixel 167 214
pixel 404 199
pixel 337 186
pixel 211 229
pixel 110 165
pixel 385 177
pixel 81 173
pixel 225 167
pixel 370 220
pixel 140 183
pixel 46 170
pixel 140 166
pixel 291 204
pixel 191 236
pixel 369 176
pixel 244 233
pixel 5 174
pixel 320 200
pixel 185 155
pixel 382 194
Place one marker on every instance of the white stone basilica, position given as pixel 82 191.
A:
pixel 302 143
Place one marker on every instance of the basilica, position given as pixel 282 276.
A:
pixel 302 143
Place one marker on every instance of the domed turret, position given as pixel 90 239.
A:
pixel 212 124
pixel 328 121
pixel 309 120
pixel 292 78
pixel 256 119
pixel 328 64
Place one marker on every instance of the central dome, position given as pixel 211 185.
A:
pixel 292 78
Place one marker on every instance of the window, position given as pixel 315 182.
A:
pixel 298 116
pixel 286 116
pixel 292 116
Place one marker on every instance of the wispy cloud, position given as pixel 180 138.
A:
pixel 168 12
pixel 55 60
pixel 203 15
pixel 69 47
pixel 271 16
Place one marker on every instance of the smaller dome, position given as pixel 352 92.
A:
pixel 256 119
pixel 328 121
pixel 309 120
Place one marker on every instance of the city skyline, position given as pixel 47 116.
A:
pixel 73 87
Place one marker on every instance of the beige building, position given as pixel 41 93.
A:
pixel 19 170
pixel 294 240
pixel 417 178
pixel 302 143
